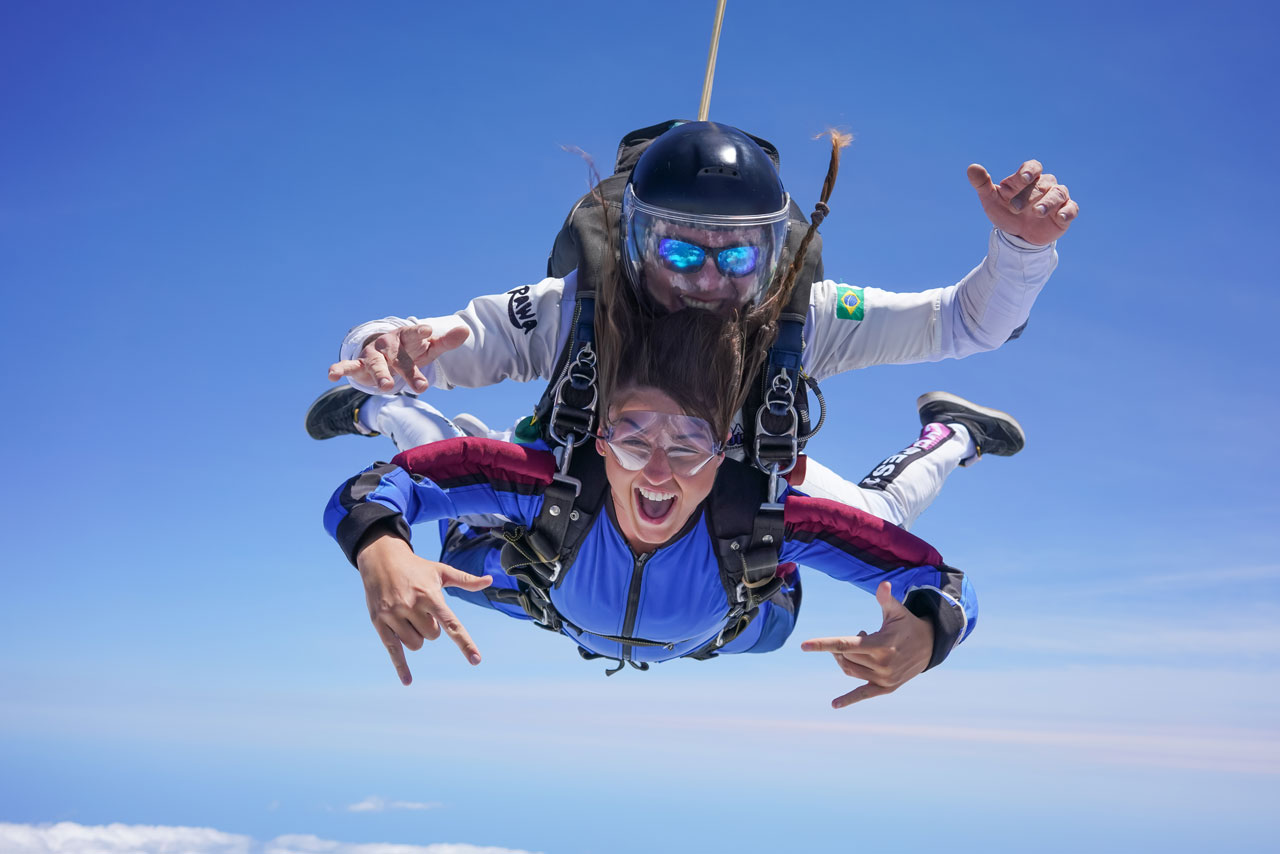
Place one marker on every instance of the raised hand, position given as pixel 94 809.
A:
pixel 1030 203
pixel 405 594
pixel 897 652
pixel 402 351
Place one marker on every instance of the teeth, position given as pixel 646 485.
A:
pixel 697 303
pixel 655 496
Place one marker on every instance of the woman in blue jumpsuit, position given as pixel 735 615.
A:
pixel 645 584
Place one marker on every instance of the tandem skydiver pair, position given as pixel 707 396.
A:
pixel 706 239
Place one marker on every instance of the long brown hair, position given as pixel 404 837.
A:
pixel 705 362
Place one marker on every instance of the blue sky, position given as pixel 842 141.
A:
pixel 199 199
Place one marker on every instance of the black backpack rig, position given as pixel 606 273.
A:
pixel 747 542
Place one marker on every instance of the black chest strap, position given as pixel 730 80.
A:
pixel 538 556
pixel 748 540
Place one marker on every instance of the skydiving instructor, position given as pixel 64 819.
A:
pixel 696 238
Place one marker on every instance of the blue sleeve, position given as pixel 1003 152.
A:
pixel 386 497
pixel 860 549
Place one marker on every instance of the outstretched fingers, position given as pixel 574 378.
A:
pixel 415 343
pixel 452 626
pixel 414 347
pixel 862 692
pixel 344 368
pixel 858 657
pixel 379 358
pixel 396 650
pixel 980 178
pixel 433 347
pixel 836 645
pixel 451 340
pixel 419 347
pixel 861 645
pixel 401 352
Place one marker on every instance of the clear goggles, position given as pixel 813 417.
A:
pixel 686 441
pixel 716 263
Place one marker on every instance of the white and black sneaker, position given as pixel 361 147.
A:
pixel 335 413
pixel 993 432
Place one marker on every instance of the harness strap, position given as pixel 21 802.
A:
pixel 748 543
pixel 760 563
pixel 538 556
pixel 572 418
pixel 782 423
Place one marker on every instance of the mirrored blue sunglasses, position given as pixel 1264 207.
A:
pixel 685 257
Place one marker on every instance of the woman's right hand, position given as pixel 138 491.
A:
pixel 405 594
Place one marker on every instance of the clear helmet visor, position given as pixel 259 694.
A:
pixel 716 263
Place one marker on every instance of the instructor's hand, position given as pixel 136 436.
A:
pixel 899 651
pixel 402 351
pixel 1030 203
pixel 405 594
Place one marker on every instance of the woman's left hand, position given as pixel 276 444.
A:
pixel 887 658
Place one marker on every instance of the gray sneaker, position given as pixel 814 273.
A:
pixel 993 432
pixel 334 413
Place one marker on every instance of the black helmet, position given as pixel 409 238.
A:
pixel 705 216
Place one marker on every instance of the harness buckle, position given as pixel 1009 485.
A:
pixel 540 612
pixel 776 453
pixel 574 420
pixel 565 452
pixel 579 375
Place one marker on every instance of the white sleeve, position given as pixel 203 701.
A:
pixel 849 328
pixel 516 335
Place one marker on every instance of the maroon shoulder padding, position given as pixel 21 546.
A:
pixel 860 530
pixel 495 459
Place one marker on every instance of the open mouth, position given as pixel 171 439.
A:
pixel 654 506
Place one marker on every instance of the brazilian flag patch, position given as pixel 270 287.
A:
pixel 848 302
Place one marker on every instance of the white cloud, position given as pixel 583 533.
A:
pixel 69 838
pixel 373 803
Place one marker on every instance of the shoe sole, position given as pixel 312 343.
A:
pixel 955 403
pixel 317 414
pixel 470 425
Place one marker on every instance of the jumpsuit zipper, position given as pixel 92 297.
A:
pixel 633 602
